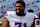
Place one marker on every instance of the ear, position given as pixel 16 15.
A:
pixel 24 7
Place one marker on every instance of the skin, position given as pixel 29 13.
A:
pixel 20 6
pixel 17 6
pixel 6 23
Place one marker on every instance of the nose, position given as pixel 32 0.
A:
pixel 18 7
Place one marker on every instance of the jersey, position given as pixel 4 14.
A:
pixel 15 21
pixel 35 16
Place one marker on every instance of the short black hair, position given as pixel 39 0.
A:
pixel 22 2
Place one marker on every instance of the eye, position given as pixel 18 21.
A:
pixel 19 9
pixel 20 6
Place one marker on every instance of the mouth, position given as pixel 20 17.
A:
pixel 18 9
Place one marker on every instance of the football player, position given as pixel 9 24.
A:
pixel 18 18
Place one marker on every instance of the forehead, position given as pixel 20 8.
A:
pixel 18 4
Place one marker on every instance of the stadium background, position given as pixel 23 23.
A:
pixel 9 5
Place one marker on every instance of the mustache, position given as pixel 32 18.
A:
pixel 17 9
pixel 21 10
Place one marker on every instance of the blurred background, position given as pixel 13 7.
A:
pixel 9 5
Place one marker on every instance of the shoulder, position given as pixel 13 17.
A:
pixel 10 12
pixel 30 15
pixel 35 16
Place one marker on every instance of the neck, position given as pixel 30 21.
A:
pixel 22 13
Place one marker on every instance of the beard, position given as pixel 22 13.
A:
pixel 20 12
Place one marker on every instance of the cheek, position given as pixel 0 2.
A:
pixel 21 7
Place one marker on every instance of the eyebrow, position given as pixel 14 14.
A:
pixel 18 6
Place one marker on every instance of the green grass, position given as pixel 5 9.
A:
pixel 2 21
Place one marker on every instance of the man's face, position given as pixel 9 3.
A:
pixel 38 11
pixel 19 8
